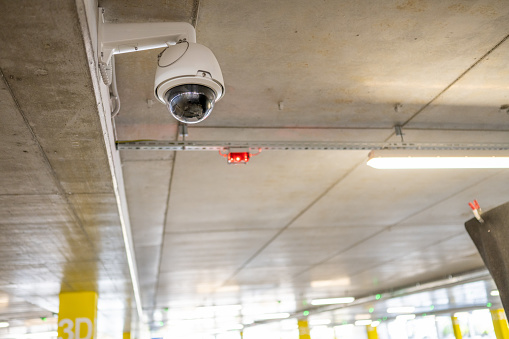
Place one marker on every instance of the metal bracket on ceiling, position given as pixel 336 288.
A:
pixel 302 145
pixel 399 132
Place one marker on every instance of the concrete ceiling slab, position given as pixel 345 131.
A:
pixel 289 226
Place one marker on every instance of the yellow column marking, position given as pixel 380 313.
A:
pixel 126 335
pixel 303 329
pixel 77 316
pixel 372 333
pixel 456 327
pixel 500 323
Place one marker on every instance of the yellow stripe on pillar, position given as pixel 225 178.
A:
pixel 500 323
pixel 77 315
pixel 456 328
pixel 372 333
pixel 303 329
pixel 126 335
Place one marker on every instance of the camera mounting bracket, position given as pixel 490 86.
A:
pixel 117 38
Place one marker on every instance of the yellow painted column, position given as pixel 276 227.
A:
pixel 77 315
pixel 303 329
pixel 126 335
pixel 456 327
pixel 372 333
pixel 500 323
pixel 241 334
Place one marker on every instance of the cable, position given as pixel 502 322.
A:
pixel 114 89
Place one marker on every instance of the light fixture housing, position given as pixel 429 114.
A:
pixel 424 159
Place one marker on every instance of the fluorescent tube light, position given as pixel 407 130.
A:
pixel 375 323
pixel 332 301
pixel 4 324
pixel 405 317
pixel 408 309
pixel 363 322
pixel 494 293
pixel 417 159
pixel 318 322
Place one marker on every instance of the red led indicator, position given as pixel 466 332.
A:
pixel 238 157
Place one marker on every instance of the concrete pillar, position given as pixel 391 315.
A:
pixel 456 327
pixel 303 329
pixel 500 323
pixel 372 333
pixel 77 315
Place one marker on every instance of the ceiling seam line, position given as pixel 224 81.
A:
pixel 341 252
pixel 294 219
pixel 166 210
pixel 452 83
pixel 396 224
pixel 45 158
pixel 420 249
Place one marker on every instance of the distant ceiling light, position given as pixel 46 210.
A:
pixel 365 316
pixel 332 301
pixel 375 323
pixel 4 324
pixel 363 322
pixel 270 316
pixel 405 317
pixel 394 159
pixel 328 283
pixel 158 315
pixel 408 309
pixel 494 293
pixel 318 322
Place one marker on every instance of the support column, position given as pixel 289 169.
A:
pixel 126 335
pixel 456 327
pixel 77 315
pixel 500 323
pixel 372 333
pixel 303 329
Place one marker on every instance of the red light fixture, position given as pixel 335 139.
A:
pixel 239 156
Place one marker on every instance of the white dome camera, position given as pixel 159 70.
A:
pixel 188 77
pixel 188 81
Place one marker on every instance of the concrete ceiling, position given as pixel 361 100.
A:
pixel 290 226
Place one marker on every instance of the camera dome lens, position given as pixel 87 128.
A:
pixel 190 103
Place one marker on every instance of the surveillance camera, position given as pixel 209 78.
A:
pixel 188 81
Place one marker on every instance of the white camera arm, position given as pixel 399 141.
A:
pixel 120 38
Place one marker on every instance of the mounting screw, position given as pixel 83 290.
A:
pixel 398 107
